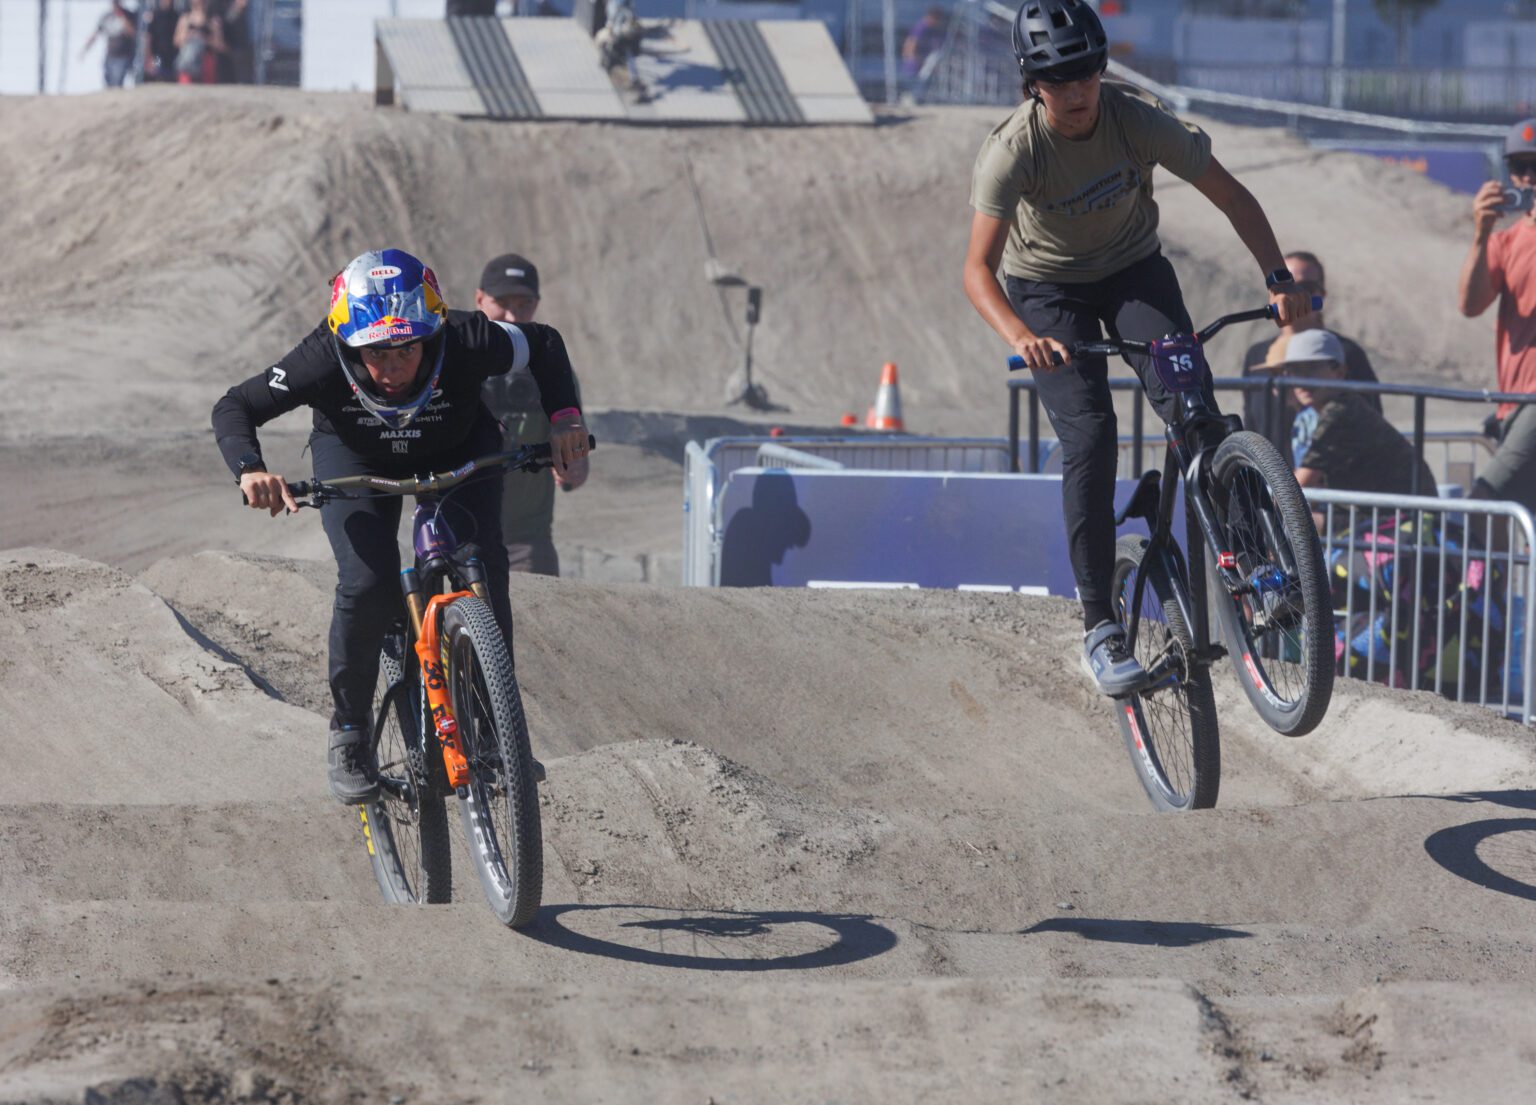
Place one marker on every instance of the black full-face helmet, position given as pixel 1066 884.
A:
pixel 1059 40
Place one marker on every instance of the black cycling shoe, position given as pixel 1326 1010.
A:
pixel 351 767
pixel 1114 671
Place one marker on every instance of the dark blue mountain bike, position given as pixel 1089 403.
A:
pixel 1262 570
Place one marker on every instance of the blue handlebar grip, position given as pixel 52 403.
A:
pixel 1015 362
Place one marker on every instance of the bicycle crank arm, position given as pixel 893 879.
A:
pixel 396 788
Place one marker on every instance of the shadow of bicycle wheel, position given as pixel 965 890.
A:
pixel 1499 854
pixel 713 940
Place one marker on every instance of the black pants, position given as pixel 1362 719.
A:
pixel 363 535
pixel 1140 302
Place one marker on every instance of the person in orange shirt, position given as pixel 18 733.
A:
pixel 1502 266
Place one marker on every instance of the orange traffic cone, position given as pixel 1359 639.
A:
pixel 886 413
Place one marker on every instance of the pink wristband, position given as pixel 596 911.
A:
pixel 566 414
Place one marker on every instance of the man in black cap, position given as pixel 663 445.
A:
pixel 509 292
pixel 1502 266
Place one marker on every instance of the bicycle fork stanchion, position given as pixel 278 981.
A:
pixel 434 676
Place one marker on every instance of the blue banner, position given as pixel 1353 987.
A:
pixel 801 528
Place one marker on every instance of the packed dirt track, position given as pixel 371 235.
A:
pixel 799 847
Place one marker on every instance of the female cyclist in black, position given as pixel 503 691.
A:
pixel 394 380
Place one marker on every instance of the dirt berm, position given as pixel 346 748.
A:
pixel 800 847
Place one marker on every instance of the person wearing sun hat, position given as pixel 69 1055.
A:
pixel 1501 266
pixel 1352 447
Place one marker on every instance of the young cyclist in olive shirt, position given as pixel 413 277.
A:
pixel 1062 192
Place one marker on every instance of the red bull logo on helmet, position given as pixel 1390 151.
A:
pixel 385 296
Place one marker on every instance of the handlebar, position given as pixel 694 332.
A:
pixel 526 458
pixel 1121 346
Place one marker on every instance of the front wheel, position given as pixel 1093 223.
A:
pixel 1280 623
pixel 1170 729
pixel 500 806
pixel 406 829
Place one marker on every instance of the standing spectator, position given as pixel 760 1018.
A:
pixel 1264 356
pixel 160 42
pixel 1353 447
pixel 199 42
pixel 235 63
pixel 120 27
pixel 1502 267
pixel 926 36
pixel 509 292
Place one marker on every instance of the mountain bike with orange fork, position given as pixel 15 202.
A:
pixel 448 717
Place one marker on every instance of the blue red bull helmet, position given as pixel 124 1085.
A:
pixel 388 298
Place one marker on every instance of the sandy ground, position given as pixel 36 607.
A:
pixel 800 846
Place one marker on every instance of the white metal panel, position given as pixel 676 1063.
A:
pixel 429 72
pixel 444 101
pixel 807 57
pixel 563 68
pixel 683 73
pixel 835 109
pixel 814 71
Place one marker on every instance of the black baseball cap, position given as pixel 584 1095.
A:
pixel 509 274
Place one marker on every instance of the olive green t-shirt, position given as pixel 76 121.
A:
pixel 527 498
pixel 1082 208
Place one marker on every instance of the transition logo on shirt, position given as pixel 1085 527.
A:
pixel 1115 186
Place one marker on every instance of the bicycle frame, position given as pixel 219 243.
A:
pixel 1193 434
pixel 436 550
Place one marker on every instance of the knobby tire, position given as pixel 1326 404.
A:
pixel 1287 668
pixel 1171 732
pixel 406 829
pixel 500 806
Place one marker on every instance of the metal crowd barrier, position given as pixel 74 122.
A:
pixel 1461 571
pixel 1456 456
pixel 1273 386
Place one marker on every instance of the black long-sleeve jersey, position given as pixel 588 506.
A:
pixel 309 375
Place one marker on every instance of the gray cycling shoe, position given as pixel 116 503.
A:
pixel 1114 671
pixel 351 768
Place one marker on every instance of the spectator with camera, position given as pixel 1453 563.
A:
pixel 1502 266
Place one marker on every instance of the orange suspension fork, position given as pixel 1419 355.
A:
pixel 434 673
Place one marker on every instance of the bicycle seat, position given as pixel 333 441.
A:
pixel 1143 501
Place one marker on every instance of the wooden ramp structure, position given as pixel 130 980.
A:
pixel 763 73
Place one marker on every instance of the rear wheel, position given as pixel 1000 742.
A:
pixel 1281 622
pixel 1170 729
pixel 500 806
pixel 407 828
